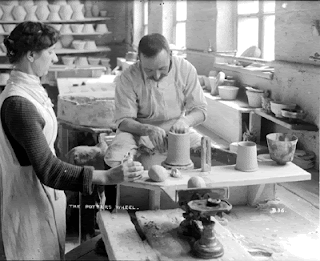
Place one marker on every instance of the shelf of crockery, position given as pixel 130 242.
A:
pixel 73 34
pixel 85 20
pixel 73 51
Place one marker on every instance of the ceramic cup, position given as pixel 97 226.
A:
pixel 77 28
pixel 247 156
pixel 90 45
pixel 78 44
pixel 68 60
pixel 94 60
pixel 81 61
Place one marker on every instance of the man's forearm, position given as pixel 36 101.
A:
pixel 133 127
pixel 195 117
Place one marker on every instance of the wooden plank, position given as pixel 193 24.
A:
pixel 121 239
pixel 299 125
pixel 84 249
pixel 160 229
pixel 70 126
pixel 93 19
pixel 228 176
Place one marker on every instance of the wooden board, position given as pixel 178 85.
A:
pixel 228 176
pixel 160 229
pixel 121 239
pixel 299 125
pixel 224 117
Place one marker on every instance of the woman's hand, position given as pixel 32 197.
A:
pixel 127 171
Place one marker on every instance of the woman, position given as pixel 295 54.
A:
pixel 32 180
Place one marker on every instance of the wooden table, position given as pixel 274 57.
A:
pixel 161 241
pixel 224 176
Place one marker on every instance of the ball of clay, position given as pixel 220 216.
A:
pixel 158 173
pixel 196 182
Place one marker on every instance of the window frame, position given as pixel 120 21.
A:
pixel 145 18
pixel 260 15
pixel 177 22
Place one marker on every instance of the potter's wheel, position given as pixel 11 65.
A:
pixel 182 167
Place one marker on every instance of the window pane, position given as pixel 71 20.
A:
pixel 248 7
pixel 181 35
pixel 268 38
pixel 248 30
pixel 181 10
pixel 269 6
pixel 145 13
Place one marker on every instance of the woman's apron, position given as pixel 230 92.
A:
pixel 33 222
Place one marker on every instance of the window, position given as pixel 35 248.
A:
pixel 145 16
pixel 256 27
pixel 181 17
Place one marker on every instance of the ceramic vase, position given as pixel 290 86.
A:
pixel 87 11
pixel 90 45
pixel 27 3
pixel 65 29
pixel 247 156
pixel 54 13
pixel 19 13
pixel 101 28
pixel 59 2
pixel 31 12
pixel 65 12
pixel 42 12
pixel 178 149
pixel 41 2
pixel 88 28
pixel 95 10
pixel 77 28
pixel 66 40
pixel 81 61
pixel 1 12
pixel 7 15
pixel 77 12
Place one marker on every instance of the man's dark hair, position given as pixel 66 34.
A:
pixel 152 44
pixel 29 36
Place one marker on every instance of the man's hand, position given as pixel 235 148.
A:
pixel 158 138
pixel 127 171
pixel 181 126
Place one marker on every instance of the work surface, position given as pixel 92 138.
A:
pixel 268 172
pixel 162 241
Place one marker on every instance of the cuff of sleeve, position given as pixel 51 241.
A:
pixel 88 187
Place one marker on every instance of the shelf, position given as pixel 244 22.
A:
pixel 74 51
pixel 86 20
pixel 296 125
pixel 73 34
pixel 61 67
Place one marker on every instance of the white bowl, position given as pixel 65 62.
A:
pixel 68 60
pixel 93 60
pixel 276 107
pixel 78 44
pixel 228 92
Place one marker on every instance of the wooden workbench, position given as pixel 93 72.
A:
pixel 160 239
pixel 224 176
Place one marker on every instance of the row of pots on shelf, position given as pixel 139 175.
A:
pixel 80 45
pixel 51 12
pixel 66 28
pixel 85 61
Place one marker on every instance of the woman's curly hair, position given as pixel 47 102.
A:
pixel 29 36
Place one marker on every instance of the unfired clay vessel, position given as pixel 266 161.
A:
pixel 1 12
pixel 101 28
pixel 65 29
pixel 87 11
pixel 95 10
pixel 88 28
pixel 54 13
pixel 42 11
pixel 77 12
pixel 65 12
pixel 76 28
pixel 66 40
pixel 90 45
pixel 247 156
pixel 178 151
pixel 81 61
pixel 31 13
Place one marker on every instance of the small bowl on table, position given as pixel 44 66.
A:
pixel 276 107
pixel 228 92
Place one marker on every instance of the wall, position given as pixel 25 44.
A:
pixel 296 78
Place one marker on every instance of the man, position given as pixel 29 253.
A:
pixel 159 93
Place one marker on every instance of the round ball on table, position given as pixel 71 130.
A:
pixel 158 173
pixel 196 182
